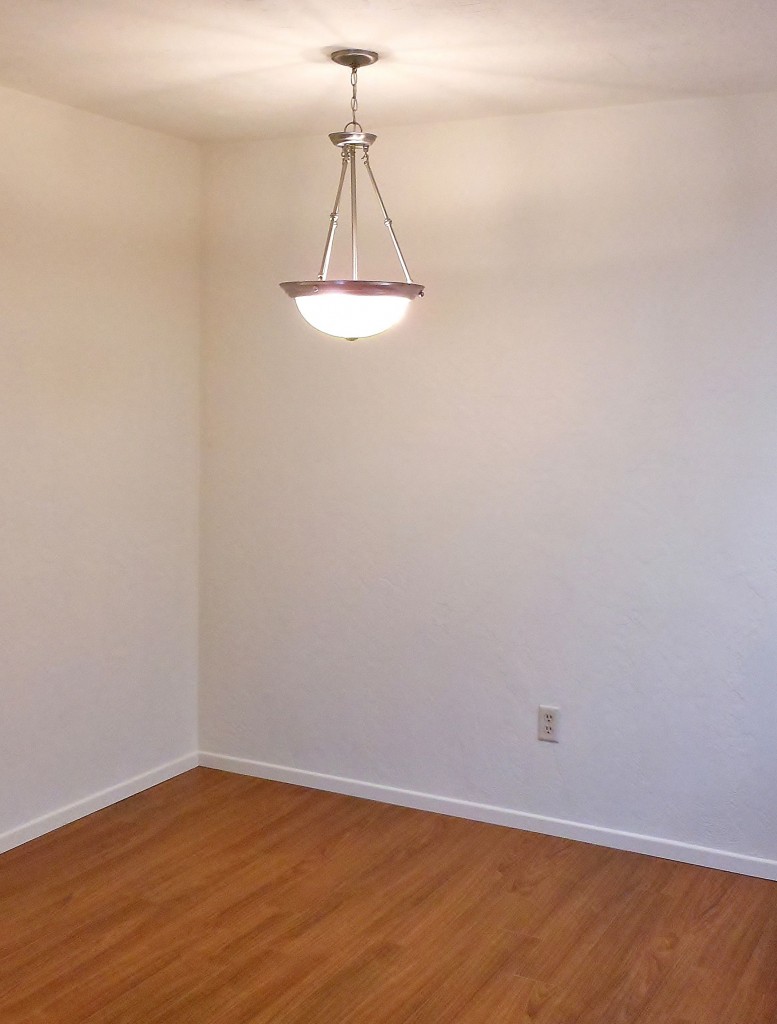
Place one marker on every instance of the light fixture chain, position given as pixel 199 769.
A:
pixel 354 100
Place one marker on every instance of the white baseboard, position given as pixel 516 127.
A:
pixel 72 812
pixel 725 860
pixel 617 839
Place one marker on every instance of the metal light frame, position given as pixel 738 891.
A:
pixel 352 141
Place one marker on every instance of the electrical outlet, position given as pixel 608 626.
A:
pixel 548 723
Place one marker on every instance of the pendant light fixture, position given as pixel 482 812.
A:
pixel 353 308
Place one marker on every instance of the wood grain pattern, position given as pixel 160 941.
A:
pixel 220 899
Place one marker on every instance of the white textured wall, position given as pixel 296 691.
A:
pixel 98 454
pixel 557 482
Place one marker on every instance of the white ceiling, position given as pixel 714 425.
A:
pixel 235 68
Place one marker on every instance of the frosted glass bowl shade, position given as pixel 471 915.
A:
pixel 352 309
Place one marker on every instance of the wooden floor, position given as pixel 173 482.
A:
pixel 223 899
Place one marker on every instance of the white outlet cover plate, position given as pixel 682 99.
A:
pixel 548 717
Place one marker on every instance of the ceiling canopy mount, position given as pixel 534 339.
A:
pixel 354 59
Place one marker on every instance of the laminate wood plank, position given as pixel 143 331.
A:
pixel 481 989
pixel 222 899
pixel 757 983
pixel 716 951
